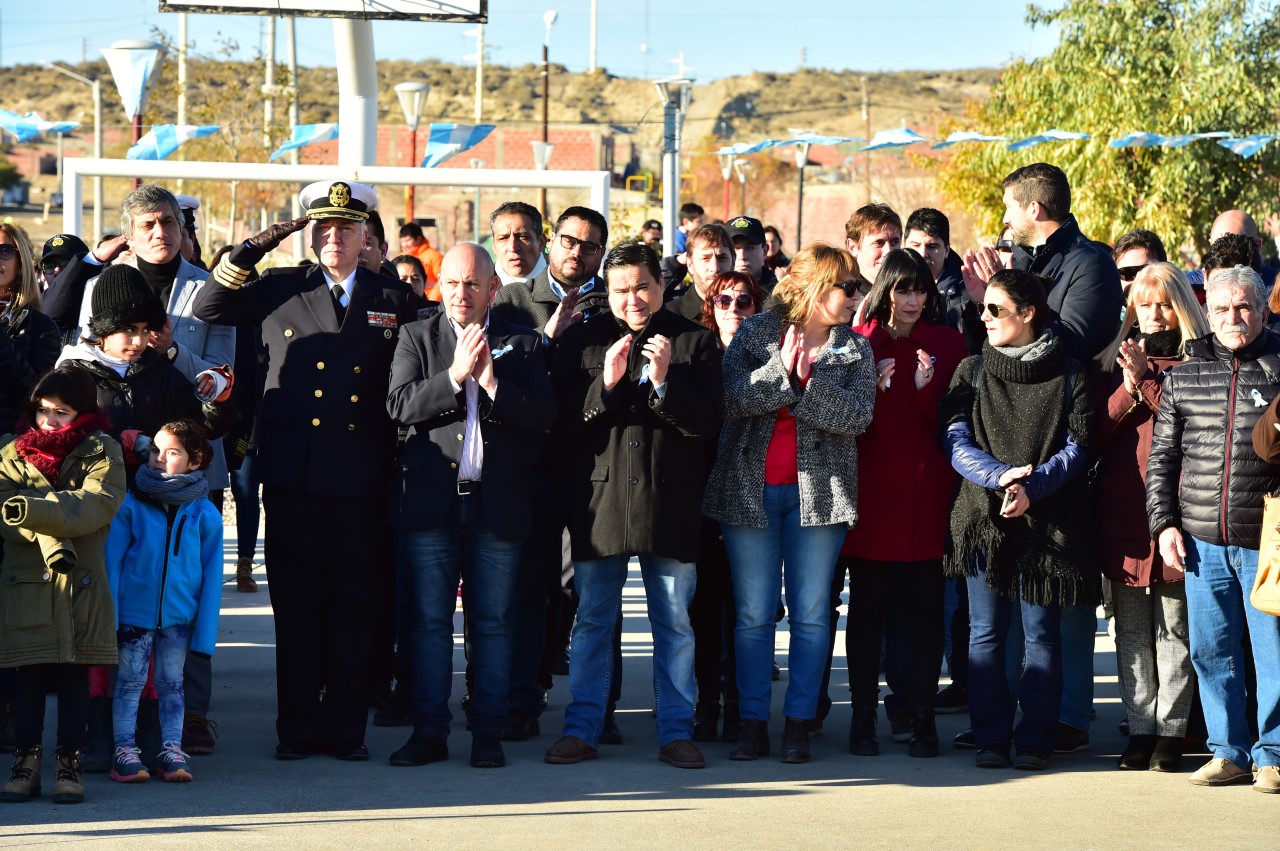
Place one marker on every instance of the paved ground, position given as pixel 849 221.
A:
pixel 244 798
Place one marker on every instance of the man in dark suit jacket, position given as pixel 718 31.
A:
pixel 640 391
pixel 474 389
pixel 326 448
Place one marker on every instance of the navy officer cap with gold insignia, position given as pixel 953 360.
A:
pixel 338 199
pixel 748 228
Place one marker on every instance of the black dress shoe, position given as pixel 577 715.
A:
pixel 1137 754
pixel 396 711
pixel 486 752
pixel 520 729
pixel 611 733
pixel 862 732
pixel 753 741
pixel 293 751
pixel 349 753
pixel 420 750
pixel 1167 755
pixel 706 717
pixel 795 741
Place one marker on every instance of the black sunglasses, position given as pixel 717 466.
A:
pixel 724 302
pixel 7 251
pixel 851 288
pixel 1004 245
pixel 1128 273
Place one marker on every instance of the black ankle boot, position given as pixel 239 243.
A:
pixel 732 729
pixel 862 732
pixel 99 744
pixel 753 743
pixel 705 718
pixel 924 734
pixel 795 741
pixel 1137 754
pixel 1167 755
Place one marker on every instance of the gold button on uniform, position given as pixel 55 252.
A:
pixel 355 398
pixel 319 393
pixel 357 370
pixel 320 364
pixel 288 332
pixel 453 466
pixel 351 427
pixel 459 437
pixel 316 421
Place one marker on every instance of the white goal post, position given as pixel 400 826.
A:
pixel 467 11
pixel 75 169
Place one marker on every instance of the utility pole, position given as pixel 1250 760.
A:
pixel 479 71
pixel 291 48
pixel 268 101
pixel 866 158
pixel 594 24
pixel 182 77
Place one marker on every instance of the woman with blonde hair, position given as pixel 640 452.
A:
pixel 799 388
pixel 29 343
pixel 1153 655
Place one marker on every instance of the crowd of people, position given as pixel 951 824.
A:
pixel 981 448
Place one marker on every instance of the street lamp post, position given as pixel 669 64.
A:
pixel 135 65
pixel 726 170
pixel 802 158
pixel 412 97
pixel 96 87
pixel 675 95
pixel 742 168
pixel 548 18
pixel 476 220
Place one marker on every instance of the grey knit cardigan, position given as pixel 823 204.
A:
pixel 831 411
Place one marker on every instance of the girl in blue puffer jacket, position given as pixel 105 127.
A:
pixel 164 563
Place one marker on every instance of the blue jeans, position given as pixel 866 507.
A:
pixel 430 564
pixel 991 701
pixel 668 587
pixel 1079 628
pixel 136 645
pixel 1219 580
pixel 756 559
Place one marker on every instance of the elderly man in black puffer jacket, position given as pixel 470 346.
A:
pixel 1205 485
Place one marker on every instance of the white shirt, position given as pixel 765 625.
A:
pixel 471 466
pixel 348 285
pixel 512 279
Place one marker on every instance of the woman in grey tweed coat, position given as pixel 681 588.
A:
pixel 799 387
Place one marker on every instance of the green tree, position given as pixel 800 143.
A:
pixel 1122 66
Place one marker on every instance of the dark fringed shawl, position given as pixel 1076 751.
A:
pixel 1021 414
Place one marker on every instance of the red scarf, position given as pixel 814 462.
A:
pixel 46 450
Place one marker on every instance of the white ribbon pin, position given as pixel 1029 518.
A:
pixel 1258 401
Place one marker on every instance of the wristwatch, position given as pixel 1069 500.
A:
pixel 172 351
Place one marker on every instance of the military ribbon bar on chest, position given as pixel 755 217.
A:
pixel 386 321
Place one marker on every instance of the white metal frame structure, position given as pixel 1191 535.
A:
pixel 76 169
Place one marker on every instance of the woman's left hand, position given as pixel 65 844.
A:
pixel 924 369
pixel 1021 502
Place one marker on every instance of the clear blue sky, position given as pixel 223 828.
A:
pixel 763 35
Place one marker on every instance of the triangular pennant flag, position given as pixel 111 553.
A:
pixel 134 70
pixel 1247 146
pixel 1047 136
pixel 163 139
pixel 306 134
pixel 446 140
pixel 1138 140
pixel 967 136
pixel 893 139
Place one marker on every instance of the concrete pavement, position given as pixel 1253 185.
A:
pixel 242 797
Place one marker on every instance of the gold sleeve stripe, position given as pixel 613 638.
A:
pixel 230 275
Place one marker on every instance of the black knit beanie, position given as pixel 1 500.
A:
pixel 121 297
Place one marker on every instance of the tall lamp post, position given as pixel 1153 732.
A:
pixel 742 168
pixel 726 171
pixel 802 159
pixel 96 86
pixel 476 220
pixel 412 97
pixel 135 65
pixel 548 18
pixel 675 95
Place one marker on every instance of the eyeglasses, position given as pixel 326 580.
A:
pixel 1128 273
pixel 996 310
pixel 8 252
pixel 589 249
pixel 724 302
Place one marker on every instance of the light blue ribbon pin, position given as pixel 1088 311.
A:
pixel 497 353
pixel 645 372
pixel 1258 401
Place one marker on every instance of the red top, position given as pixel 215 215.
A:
pixel 780 465
pixel 905 480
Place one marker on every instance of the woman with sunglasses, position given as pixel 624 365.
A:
pixel 1017 423
pixel 1153 654
pixel 29 342
pixel 731 298
pixel 799 388
pixel 895 552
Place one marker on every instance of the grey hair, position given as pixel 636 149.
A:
pixel 1241 277
pixel 147 198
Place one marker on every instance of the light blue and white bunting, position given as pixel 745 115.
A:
pixel 446 140
pixel 1054 135
pixel 967 136
pixel 163 139
pixel 894 139
pixel 31 126
pixel 306 134
pixel 1247 146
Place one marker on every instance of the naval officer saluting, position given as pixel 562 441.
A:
pixel 326 448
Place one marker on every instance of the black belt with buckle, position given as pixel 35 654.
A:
pixel 467 488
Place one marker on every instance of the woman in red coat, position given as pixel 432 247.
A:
pixel 895 551
pixel 1153 656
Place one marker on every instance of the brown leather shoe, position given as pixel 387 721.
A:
pixel 682 753
pixel 570 750
pixel 245 583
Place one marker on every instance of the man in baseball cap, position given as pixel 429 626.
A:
pixel 748 250
pixel 58 252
